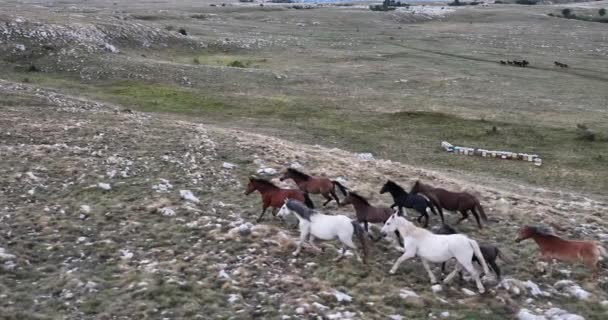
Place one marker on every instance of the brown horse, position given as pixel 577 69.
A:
pixel 462 202
pixel 315 184
pixel 273 196
pixel 554 247
pixel 366 213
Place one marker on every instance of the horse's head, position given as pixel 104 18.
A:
pixel 385 187
pixel 284 211
pixel 390 225
pixel 416 187
pixel 525 232
pixel 251 186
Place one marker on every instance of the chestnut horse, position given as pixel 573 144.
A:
pixel 462 202
pixel 273 196
pixel 554 247
pixel 315 184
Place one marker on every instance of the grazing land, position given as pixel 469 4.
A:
pixel 108 110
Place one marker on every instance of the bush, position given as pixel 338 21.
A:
pixel 584 133
pixel 237 64
pixel 33 68
pixel 566 12
pixel 196 60
pixel 182 31
pixel 602 12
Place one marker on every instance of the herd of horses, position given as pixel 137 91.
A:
pixel 525 63
pixel 414 241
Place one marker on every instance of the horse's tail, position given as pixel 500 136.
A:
pixel 342 188
pixel 308 201
pixel 503 257
pixel 481 211
pixel 479 256
pixel 361 235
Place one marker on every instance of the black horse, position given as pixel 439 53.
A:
pixel 414 201
pixel 489 251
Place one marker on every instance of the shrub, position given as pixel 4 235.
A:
pixel 602 12
pixel 33 68
pixel 182 31
pixel 527 2
pixel 196 60
pixel 237 64
pixel 584 133
pixel 566 12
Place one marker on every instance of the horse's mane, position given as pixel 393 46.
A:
pixel 265 182
pixel 301 209
pixel 298 173
pixel 544 231
pixel 360 198
pixel 394 185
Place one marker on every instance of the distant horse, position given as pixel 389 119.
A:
pixel 524 63
pixel 403 199
pixel 430 247
pixel 489 251
pixel 316 225
pixel 561 65
pixel 315 184
pixel 554 247
pixel 509 62
pixel 273 196
pixel 502 62
pixel 462 202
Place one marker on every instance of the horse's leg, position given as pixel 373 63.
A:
pixel 341 254
pixel 426 217
pixel 426 266
pixel 327 197
pixel 399 240
pixel 348 242
pixel 274 212
pixel 494 267
pixel 333 194
pixel 262 214
pixel 311 241
pixel 468 265
pixel 303 236
pixel 476 215
pixel 452 274
pixel 465 215
pixel 407 254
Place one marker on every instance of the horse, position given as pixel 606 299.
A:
pixel 315 184
pixel 502 62
pixel 366 213
pixel 430 247
pixel 403 199
pixel 554 247
pixel 524 63
pixel 462 202
pixel 509 62
pixel 273 196
pixel 325 227
pixel 489 251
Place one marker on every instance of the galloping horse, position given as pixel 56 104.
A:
pixel 430 247
pixel 554 247
pixel 316 225
pixel 402 199
pixel 462 202
pixel 273 196
pixel 489 251
pixel 315 184
pixel 366 213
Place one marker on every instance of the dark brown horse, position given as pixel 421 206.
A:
pixel 462 202
pixel 273 196
pixel 315 184
pixel 554 247
pixel 366 213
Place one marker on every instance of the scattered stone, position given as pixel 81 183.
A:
pixel 445 314
pixel 163 187
pixel 320 306
pixel 188 196
pixel 126 254
pixel 559 314
pixel 395 317
pixel 233 298
pixel 366 156
pixel 525 314
pixel 228 165
pixel 268 171
pixel 468 292
pixel 535 289
pixel 85 209
pixel 571 288
pixel 104 186
pixel 5 256
pixel 436 288
pixel 341 296
pixel 223 274
pixel 166 212
pixel 411 298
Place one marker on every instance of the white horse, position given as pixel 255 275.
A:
pixel 320 226
pixel 430 247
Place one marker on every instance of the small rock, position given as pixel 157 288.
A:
pixel 85 208
pixel 233 298
pixel 188 196
pixel 436 288
pixel 444 314
pixel 341 296
pixel 320 306
pixel 126 254
pixel 228 165
pixel 366 156
pixel 166 212
pixel 300 310
pixel 525 314
pixel 5 256
pixel 395 317
pixel 104 186
pixel 468 292
pixel 268 171
pixel 573 289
